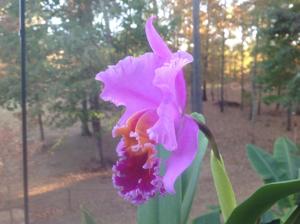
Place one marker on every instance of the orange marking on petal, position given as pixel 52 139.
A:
pixel 125 130
pixel 145 122
pixel 135 136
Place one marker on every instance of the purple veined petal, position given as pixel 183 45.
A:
pixel 129 83
pixel 170 109
pixel 169 78
pixel 156 43
pixel 182 158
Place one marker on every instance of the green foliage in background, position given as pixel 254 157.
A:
pixel 68 43
pixel 279 51
pixel 283 165
pixel 252 209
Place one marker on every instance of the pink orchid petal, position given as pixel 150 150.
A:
pixel 170 108
pixel 181 90
pixel 129 84
pixel 156 43
pixel 183 156
pixel 169 77
pixel 163 131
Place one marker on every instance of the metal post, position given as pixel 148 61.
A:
pixel 24 110
pixel 196 75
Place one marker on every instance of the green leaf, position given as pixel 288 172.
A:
pixel 253 208
pixel 223 186
pixel 162 209
pixel 282 153
pixel 208 218
pixel 264 164
pixel 198 117
pixel 190 179
pixel 86 217
pixel 169 205
pixel 148 212
pixel 294 218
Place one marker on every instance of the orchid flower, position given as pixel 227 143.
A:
pixel 152 89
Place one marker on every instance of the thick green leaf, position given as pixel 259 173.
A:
pixel 283 149
pixel 169 205
pixel 223 186
pixel 208 218
pixel 190 179
pixel 252 209
pixel 162 209
pixel 86 217
pixel 264 164
pixel 294 218
pixel 148 212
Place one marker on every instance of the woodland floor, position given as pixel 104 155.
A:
pixel 62 178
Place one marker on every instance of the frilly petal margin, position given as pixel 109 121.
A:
pixel 129 84
pixel 170 109
pixel 180 159
pixel 156 43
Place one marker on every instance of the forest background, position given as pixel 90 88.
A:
pixel 252 43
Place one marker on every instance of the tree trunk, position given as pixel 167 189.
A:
pixel 253 83
pixel 106 22
pixel 41 126
pixel 278 94
pixel 39 108
pixel 97 130
pixel 259 100
pixel 234 68
pixel 212 93
pixel 223 62
pixel 84 118
pixel 204 91
pixel 155 7
pixel 289 118
pixel 242 69
pixel 205 69
pixel 196 76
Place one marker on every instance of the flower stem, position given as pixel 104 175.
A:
pixel 210 137
pixel 226 196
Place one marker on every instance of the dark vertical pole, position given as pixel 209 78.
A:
pixel 205 67
pixel 23 104
pixel 196 75
pixel 223 60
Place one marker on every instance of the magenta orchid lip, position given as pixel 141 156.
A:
pixel 152 89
